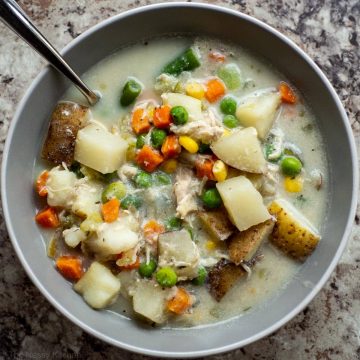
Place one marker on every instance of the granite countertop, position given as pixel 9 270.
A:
pixel 329 328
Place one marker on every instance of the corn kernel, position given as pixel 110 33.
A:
pixel 293 184
pixel 226 132
pixel 195 90
pixel 169 166
pixel 220 170
pixel 189 144
pixel 211 245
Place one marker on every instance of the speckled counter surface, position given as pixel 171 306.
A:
pixel 329 328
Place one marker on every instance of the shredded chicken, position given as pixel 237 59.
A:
pixel 206 130
pixel 186 187
pixel 127 172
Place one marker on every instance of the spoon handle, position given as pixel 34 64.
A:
pixel 15 18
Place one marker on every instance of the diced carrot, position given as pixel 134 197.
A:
pixel 204 168
pixel 110 210
pixel 47 218
pixel 140 121
pixel 171 147
pixel 152 229
pixel 287 94
pixel 70 267
pixel 162 117
pixel 215 89
pixel 134 265
pixel 148 158
pixel 217 56
pixel 41 183
pixel 180 302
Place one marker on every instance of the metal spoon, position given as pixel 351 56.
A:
pixel 15 18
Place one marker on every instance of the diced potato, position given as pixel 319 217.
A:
pixel 149 300
pixel 241 150
pixel 66 120
pixel 217 224
pixel 99 149
pixel 243 245
pixel 73 236
pixel 243 202
pixel 114 238
pixel 259 112
pixel 293 233
pixel 192 105
pixel 87 198
pixel 128 282
pixel 176 249
pixel 98 286
pixel 60 186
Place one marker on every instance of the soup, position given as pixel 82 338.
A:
pixel 182 198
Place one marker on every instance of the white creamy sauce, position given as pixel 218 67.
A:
pixel 275 270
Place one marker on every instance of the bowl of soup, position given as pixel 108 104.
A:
pixel 202 202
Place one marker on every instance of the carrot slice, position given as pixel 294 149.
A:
pixel 180 302
pixel 204 168
pixel 215 89
pixel 287 94
pixel 110 210
pixel 171 147
pixel 162 118
pixel 140 121
pixel 217 56
pixel 152 229
pixel 70 267
pixel 148 158
pixel 47 218
pixel 41 183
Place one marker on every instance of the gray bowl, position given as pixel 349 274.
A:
pixel 30 124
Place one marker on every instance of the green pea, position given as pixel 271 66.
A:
pixel 201 278
pixel 157 137
pixel 291 166
pixel 211 198
pixel 140 141
pixel 162 179
pixel 147 269
pixel 230 74
pixel 130 92
pixel 110 176
pixel 228 105
pixel 204 148
pixel 143 179
pixel 230 121
pixel 166 277
pixel 130 201
pixel 179 115
pixel 173 223
pixel 114 190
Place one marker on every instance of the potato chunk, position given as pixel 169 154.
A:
pixel 176 249
pixel 241 150
pixel 87 197
pixel 244 244
pixel 259 112
pixel 217 223
pixel 192 105
pixel 98 286
pixel 293 233
pixel 66 120
pixel 243 202
pixel 99 149
pixel 149 300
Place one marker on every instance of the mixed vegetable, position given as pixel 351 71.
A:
pixel 181 194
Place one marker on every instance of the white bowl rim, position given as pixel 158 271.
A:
pixel 315 289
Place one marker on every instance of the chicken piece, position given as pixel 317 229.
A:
pixel 127 172
pixel 207 130
pixel 217 223
pixel 244 244
pixel 222 277
pixel 66 120
pixel 186 187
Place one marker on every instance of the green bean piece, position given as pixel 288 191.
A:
pixel 211 198
pixel 173 223
pixel 204 148
pixel 110 176
pixel 187 61
pixel 131 201
pixel 147 269
pixel 143 179
pixel 166 277
pixel 114 190
pixel 140 141
pixel 230 74
pixel 75 168
pixel 179 115
pixel 201 278
pixel 157 137
pixel 130 92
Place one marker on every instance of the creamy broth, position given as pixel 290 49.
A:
pixel 275 270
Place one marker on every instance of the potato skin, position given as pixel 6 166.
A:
pixel 217 223
pixel 66 120
pixel 222 277
pixel 244 244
